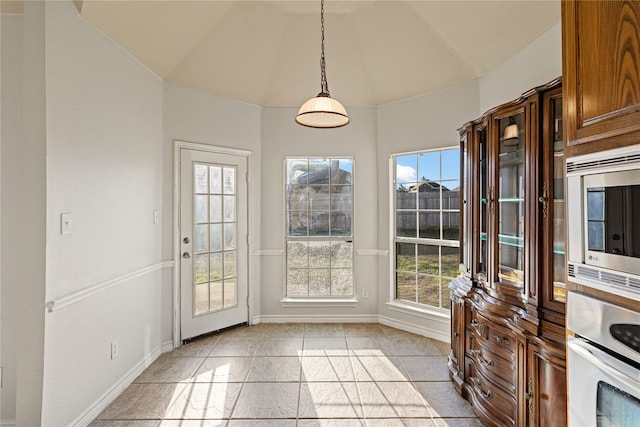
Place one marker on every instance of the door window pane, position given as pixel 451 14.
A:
pixel 214 239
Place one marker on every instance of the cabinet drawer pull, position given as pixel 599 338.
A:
pixel 455 334
pixel 486 394
pixel 474 323
pixel 501 339
pixel 484 362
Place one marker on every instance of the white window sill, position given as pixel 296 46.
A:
pixel 318 302
pixel 418 310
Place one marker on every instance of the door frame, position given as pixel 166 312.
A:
pixel 179 145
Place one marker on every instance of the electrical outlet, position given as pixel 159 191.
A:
pixel 365 293
pixel 115 349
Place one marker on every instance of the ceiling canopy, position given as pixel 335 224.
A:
pixel 268 52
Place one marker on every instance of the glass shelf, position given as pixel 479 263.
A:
pixel 511 240
pixel 511 158
pixel 512 275
pixel 511 199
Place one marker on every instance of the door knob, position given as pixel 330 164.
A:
pixel 186 255
pixel 185 240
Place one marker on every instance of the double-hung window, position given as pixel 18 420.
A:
pixel 319 227
pixel 426 226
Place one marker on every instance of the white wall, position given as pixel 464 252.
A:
pixel 282 137
pixel 421 123
pixel 23 225
pixel 104 166
pixel 195 116
pixel 10 149
pixel 535 65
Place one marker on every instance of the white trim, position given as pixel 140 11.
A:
pixel 167 346
pixel 323 318
pixel 8 423
pixel 372 252
pixel 318 302
pixel 419 310
pixel 268 252
pixel 416 329
pixel 114 391
pixel 196 146
pixel 92 290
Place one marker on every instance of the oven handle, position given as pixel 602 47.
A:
pixel 620 371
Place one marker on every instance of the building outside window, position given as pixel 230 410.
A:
pixel 319 227
pixel 426 226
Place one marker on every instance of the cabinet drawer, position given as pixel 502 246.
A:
pixel 492 365
pixel 491 397
pixel 497 338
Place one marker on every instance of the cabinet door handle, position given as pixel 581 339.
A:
pixel 484 362
pixel 474 323
pixel 486 394
pixel 529 395
pixel 544 199
pixel 490 199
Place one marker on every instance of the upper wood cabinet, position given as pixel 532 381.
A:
pixel 601 74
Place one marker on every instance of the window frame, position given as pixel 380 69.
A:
pixel 320 300
pixel 395 302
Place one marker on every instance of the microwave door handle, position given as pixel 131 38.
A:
pixel 607 364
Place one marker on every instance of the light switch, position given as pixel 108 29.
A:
pixel 156 216
pixel 66 223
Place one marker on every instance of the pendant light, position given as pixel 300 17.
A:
pixel 511 137
pixel 322 111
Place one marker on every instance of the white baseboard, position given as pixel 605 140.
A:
pixel 405 326
pixel 167 346
pixel 8 423
pixel 356 318
pixel 109 396
pixel 416 329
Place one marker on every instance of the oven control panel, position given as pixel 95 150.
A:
pixel 627 334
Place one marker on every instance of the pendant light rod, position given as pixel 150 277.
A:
pixel 324 86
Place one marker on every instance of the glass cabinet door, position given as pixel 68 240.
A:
pixel 510 207
pixel 485 202
pixel 558 207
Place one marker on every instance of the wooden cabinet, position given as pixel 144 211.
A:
pixel 601 73
pixel 508 303
pixel 545 374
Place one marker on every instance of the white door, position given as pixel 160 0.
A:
pixel 213 241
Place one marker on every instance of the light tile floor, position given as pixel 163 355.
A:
pixel 304 375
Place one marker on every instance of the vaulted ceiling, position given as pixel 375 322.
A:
pixel 267 52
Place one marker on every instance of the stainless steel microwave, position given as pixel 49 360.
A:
pixel 603 220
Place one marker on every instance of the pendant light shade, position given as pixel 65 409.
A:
pixel 322 111
pixel 511 137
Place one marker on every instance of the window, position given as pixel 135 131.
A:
pixel 319 227
pixel 427 225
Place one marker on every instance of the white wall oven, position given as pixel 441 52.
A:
pixel 603 363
